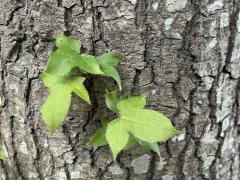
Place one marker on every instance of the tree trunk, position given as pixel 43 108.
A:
pixel 184 55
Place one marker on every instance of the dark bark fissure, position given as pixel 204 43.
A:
pixel 184 50
pixel 224 69
pixel 18 6
pixel 232 37
pixel 33 131
pixel 5 170
pixel 68 20
pixel 15 153
pixel 145 37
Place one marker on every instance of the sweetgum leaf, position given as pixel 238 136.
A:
pixel 59 77
pixel 150 146
pixel 67 43
pixel 67 57
pixel 131 142
pixel 107 62
pixel 132 102
pixel 111 100
pixel 112 72
pixel 146 146
pixel 146 125
pixel 110 59
pixel 89 64
pixel 62 61
pixel 1 153
pixel 55 107
pixel 117 136
pixel 99 138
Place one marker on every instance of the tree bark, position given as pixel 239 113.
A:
pixel 183 55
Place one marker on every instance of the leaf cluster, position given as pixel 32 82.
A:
pixel 66 72
pixel 133 124
pixel 60 79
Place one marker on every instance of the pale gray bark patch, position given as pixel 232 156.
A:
pixel 184 56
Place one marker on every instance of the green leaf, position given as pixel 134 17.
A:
pixel 55 108
pixel 146 146
pixel 67 43
pixel 112 72
pixel 110 59
pixel 131 142
pixel 99 138
pixel 1 153
pixel 132 102
pixel 107 62
pixel 146 125
pixel 150 146
pixel 117 136
pixel 89 64
pixel 62 61
pixel 59 77
pixel 112 100
pixel 67 57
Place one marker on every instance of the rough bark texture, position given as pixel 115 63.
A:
pixel 184 55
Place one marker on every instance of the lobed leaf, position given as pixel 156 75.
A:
pixel 109 58
pixel 89 64
pixel 131 103
pixel 131 142
pixel 148 126
pixel 62 61
pixel 67 57
pixel 61 85
pixel 146 146
pixel 107 62
pixel 55 107
pixel 111 100
pixel 67 43
pixel 150 146
pixel 117 136
pixel 1 153
pixel 99 138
